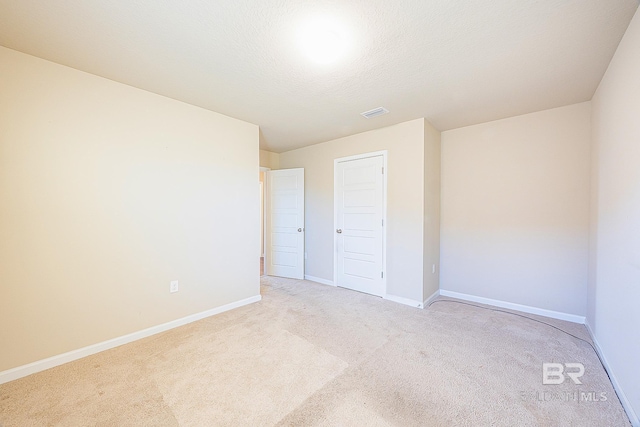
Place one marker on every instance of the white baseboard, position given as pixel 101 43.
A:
pixel 433 296
pixel 41 365
pixel 405 301
pixel 512 306
pixel 633 417
pixel 318 280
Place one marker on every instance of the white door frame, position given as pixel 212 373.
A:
pixel 265 194
pixel 382 153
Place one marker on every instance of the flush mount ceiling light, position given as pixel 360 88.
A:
pixel 323 40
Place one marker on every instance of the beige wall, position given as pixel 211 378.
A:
pixel 107 193
pixel 405 145
pixel 432 154
pixel 269 160
pixel 614 285
pixel 515 217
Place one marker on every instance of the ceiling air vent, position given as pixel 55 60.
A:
pixel 375 112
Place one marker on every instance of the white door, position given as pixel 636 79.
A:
pixel 359 223
pixel 285 223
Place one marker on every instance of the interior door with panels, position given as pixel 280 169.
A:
pixel 359 224
pixel 285 223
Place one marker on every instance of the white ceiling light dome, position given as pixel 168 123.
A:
pixel 323 40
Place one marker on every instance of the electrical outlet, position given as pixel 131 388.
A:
pixel 173 287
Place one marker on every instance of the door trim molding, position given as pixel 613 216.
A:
pixel 382 153
pixel 265 195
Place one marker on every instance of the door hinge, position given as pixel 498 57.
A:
pixel 383 170
pixel 382 274
pixel 383 222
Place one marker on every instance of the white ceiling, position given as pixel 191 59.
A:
pixel 456 63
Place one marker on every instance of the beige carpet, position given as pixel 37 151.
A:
pixel 310 354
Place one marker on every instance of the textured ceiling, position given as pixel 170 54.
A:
pixel 455 63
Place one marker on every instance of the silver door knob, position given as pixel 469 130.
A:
pixel 299 230
pixel 339 231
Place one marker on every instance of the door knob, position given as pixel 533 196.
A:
pixel 299 230
pixel 339 231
